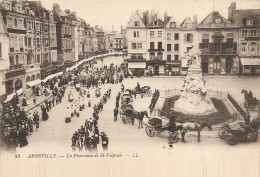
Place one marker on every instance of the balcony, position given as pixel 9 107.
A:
pixel 155 50
pixel 16 67
pixel 218 48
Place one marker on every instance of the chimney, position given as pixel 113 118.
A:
pixel 96 27
pixel 231 11
pixel 74 13
pixel 121 29
pixel 195 19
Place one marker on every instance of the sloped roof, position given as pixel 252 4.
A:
pixel 209 19
pixel 240 16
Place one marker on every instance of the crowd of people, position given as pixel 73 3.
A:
pixel 18 124
pixel 88 135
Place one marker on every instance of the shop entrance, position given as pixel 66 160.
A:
pixel 216 66
pixel 229 65
pixel 156 70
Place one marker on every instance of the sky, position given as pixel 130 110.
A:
pixel 114 13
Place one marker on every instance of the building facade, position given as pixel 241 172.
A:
pixel 218 40
pixel 248 38
pixel 118 43
pixel 65 35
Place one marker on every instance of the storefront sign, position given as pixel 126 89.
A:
pixel 173 62
pixel 136 65
pixel 250 61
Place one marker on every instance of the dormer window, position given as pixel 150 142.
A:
pixel 173 25
pixel 155 23
pixel 136 23
pixel 249 22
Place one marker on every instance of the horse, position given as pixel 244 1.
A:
pixel 249 99
pixel 139 116
pixel 188 126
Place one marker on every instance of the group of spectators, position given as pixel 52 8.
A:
pixel 155 97
pixel 88 135
pixel 18 124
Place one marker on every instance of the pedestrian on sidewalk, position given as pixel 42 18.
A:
pixel 34 100
pixel 115 114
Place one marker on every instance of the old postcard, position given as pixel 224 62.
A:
pixel 112 88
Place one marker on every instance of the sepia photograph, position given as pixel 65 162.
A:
pixel 134 88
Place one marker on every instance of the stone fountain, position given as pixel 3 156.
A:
pixel 194 98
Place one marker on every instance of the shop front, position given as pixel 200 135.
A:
pixel 250 66
pixel 156 66
pixel 172 68
pixel 184 66
pixel 137 68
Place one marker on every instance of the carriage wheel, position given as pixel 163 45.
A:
pixel 150 131
pixel 232 140
pixel 222 133
pixel 150 93
pixel 173 137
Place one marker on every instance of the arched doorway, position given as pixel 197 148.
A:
pixel 38 76
pixel 216 65
pixel 28 79
pixel 33 78
pixel 18 84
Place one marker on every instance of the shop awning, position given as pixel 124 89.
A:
pixel 9 97
pixel 184 63
pixel 137 65
pixel 250 61
pixel 33 83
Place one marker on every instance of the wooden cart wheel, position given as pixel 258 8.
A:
pixel 150 131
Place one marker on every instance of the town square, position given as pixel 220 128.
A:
pixel 156 85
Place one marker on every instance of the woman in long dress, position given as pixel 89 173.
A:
pixel 45 115
pixel 24 101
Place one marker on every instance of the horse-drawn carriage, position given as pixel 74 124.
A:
pixel 126 113
pixel 144 91
pixel 155 126
pixel 243 133
pixel 250 101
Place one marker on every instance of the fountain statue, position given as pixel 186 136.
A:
pixel 194 98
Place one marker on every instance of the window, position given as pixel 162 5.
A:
pixel 168 36
pixel 151 45
pixel 139 45
pixel 15 23
pixel 176 57
pixel 159 45
pixel 205 43
pixel 151 34
pixel 38 58
pixel 25 41
pixel 176 47
pixel 244 33
pixel 173 25
pixel 136 23
pixel 230 42
pixel 169 57
pixel 217 40
pixel 169 47
pixel 21 42
pixel 188 37
pixel 253 33
pixel 243 48
pixel 155 23
pixel 159 33
pixel 176 36
pixel 0 50
pixel 136 33
pixel 249 22
pixel 17 60
pixel 11 59
pixel 253 47
pixel 133 45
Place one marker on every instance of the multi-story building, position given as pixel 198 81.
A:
pixel 109 41
pixel 93 40
pixel 136 43
pixel 101 40
pixel 4 61
pixel 248 38
pixel 156 43
pixel 218 44
pixel 14 17
pixel 118 43
pixel 188 41
pixel 43 46
pixel 65 35
pixel 172 47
